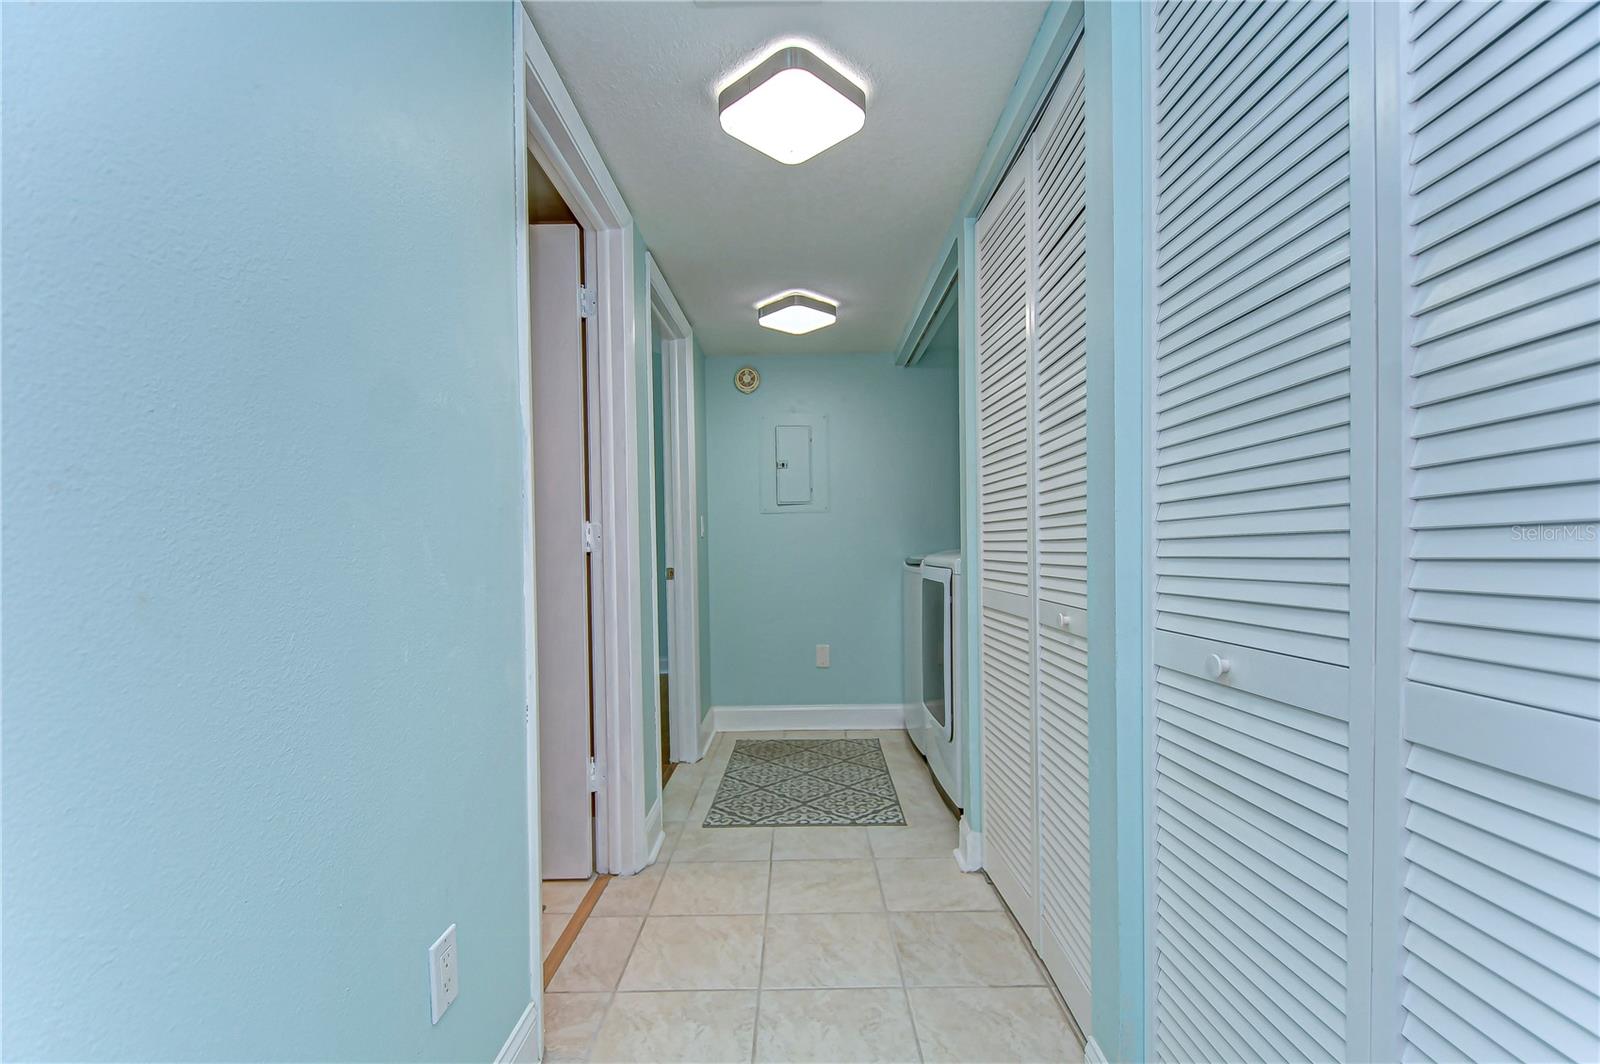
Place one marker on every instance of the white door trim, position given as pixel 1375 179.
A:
pixel 557 138
pixel 681 493
pixel 521 1045
pixel 530 657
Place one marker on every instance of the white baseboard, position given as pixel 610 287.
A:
pixel 655 837
pixel 969 852
pixel 1093 1054
pixel 809 718
pixel 708 732
pixel 521 1046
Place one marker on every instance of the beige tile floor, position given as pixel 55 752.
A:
pixel 804 944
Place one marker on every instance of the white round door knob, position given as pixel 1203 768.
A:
pixel 1063 621
pixel 1217 666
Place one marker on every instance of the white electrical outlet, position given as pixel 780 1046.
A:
pixel 444 977
pixel 822 655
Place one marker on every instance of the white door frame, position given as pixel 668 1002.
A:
pixel 555 135
pixel 530 657
pixel 679 494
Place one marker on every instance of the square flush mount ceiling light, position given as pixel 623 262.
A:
pixel 792 106
pixel 797 313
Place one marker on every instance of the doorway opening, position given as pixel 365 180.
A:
pixel 664 569
pixel 567 724
pixel 562 185
pixel 563 560
pixel 677 526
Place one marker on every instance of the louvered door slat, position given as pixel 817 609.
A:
pixel 1272 113
pixel 1056 156
pixel 1499 864
pixel 1197 98
pixel 1005 285
pixel 1485 307
pixel 1252 467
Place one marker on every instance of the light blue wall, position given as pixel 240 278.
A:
pixel 263 722
pixel 944 346
pixel 1116 87
pixel 782 583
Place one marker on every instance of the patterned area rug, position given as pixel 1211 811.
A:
pixel 805 783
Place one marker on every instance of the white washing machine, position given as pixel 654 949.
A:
pixel 911 610
pixel 937 725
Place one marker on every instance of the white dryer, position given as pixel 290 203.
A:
pixel 937 725
pixel 911 610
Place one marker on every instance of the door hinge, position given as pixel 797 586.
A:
pixel 587 303
pixel 594 776
pixel 591 537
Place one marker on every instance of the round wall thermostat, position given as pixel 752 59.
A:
pixel 747 380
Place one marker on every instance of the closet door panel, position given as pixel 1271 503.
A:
pixel 1499 941
pixel 1006 548
pixel 1056 154
pixel 1500 931
pixel 1256 855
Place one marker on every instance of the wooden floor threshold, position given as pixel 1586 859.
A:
pixel 569 934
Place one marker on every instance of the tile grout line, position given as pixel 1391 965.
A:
pixel 761 955
pixel 611 998
pixel 771 862
pixel 899 963
pixel 755 1024
pixel 755 1028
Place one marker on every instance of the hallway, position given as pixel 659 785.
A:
pixel 801 944
pixel 460 460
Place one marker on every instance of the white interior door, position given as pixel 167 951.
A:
pixel 560 563
pixel 1032 408
pixel 1009 741
pixel 1061 541
pixel 683 546
pixel 1495 880
pixel 1261 855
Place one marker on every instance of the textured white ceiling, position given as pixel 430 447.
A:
pixel 860 223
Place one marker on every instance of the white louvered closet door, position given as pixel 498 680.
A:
pixel 1499 852
pixel 1256 887
pixel 1005 488
pixel 1056 156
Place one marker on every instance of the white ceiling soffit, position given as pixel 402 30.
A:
pixel 859 223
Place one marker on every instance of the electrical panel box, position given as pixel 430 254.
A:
pixel 794 464
pixel 792 454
